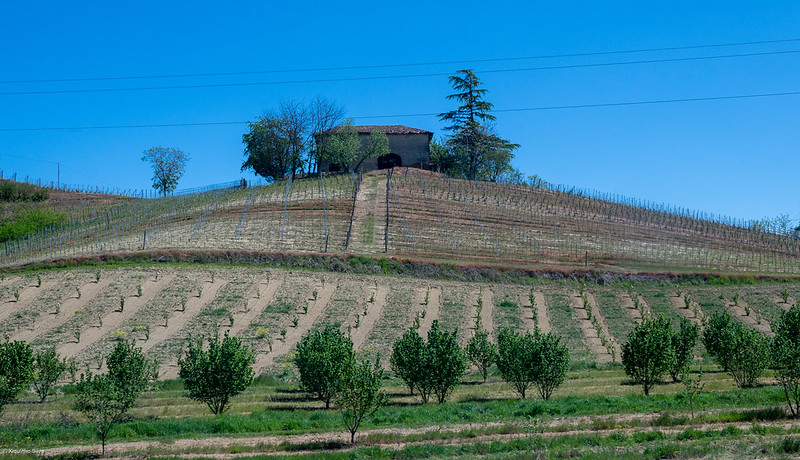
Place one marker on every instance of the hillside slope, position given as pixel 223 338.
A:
pixel 416 214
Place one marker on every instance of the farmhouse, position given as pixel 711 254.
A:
pixel 407 146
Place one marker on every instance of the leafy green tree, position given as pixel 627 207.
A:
pixel 648 353
pixel 550 363
pixel 106 398
pixel 786 357
pixel 16 369
pixel 718 337
pixel 168 166
pixel 514 352
pixel 102 402
pixel 749 356
pixel 48 369
pixel 268 148
pixel 406 361
pixel 482 151
pixel 324 115
pixel 481 352
pixel 444 361
pixel 322 357
pixel 342 147
pixel 359 393
pixel 683 344
pixel 218 373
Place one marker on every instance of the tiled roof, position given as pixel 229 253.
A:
pixel 387 129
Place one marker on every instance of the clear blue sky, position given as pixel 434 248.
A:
pixel 737 157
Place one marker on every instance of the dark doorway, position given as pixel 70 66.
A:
pixel 389 161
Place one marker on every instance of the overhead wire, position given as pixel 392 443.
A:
pixel 388 77
pixel 414 64
pixel 522 109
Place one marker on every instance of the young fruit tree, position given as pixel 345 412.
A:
pixel 321 358
pixel 481 352
pixel 216 374
pixel 444 361
pixel 16 369
pixel 741 351
pixel 786 357
pixel 683 344
pixel 104 399
pixel 168 166
pixel 648 353
pixel 540 360
pixel 406 362
pixel 48 369
pixel 359 393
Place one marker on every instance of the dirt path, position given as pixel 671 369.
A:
pixel 178 319
pixel 255 305
pixel 694 313
pixel 541 312
pixel 26 297
pixel 528 324
pixel 304 323
pixel 266 445
pixel 432 310
pixel 112 320
pixel 617 355
pixel 366 323
pixel 741 311
pixel 68 308
pixel 487 313
pixel 590 335
pixel 629 306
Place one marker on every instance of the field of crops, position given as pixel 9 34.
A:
pixel 416 214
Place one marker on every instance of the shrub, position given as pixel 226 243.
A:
pixel 683 344
pixel 539 360
pixel 741 351
pixel 444 361
pixel 513 356
pixel 216 374
pixel 786 357
pixel 481 352
pixel 648 353
pixel 718 336
pixel 406 361
pixel 28 221
pixel 16 369
pixel 359 393
pixel 322 357
pixel 48 369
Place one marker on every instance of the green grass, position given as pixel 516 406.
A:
pixel 507 312
pixel 619 323
pixel 565 324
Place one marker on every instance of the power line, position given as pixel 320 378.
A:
pixel 406 115
pixel 415 64
pixel 388 77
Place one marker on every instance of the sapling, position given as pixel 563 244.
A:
pixel 692 388
pixel 121 304
pixel 258 293
pixel 38 280
pixel 183 303
pixel 97 276
pixel 424 312
pixel 785 295
pixel 146 332
pixel 100 320
pixel 58 308
pixel 372 298
pixel 165 315
pixel 365 309
pixel 78 290
pixel 230 318
pixel 687 301
pixel 16 295
pixel 427 296
pixel 295 320
pixel 77 334
pixel 358 321
pixel 200 291
pixel 138 290
pixel 99 359
pixel 314 295
pixel 305 307
pixel 283 334
pixel 747 310
pixel 736 299
pixel 212 277
pixel 416 321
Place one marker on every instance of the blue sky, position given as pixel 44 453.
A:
pixel 736 157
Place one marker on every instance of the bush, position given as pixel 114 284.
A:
pixel 648 353
pixel 28 221
pixel 683 344
pixel 215 375
pixel 540 360
pixel 741 351
pixel 16 369
pixel 406 361
pixel 786 356
pixel 359 393
pixel 20 191
pixel 322 357
pixel 481 352
pixel 718 336
pixel 48 369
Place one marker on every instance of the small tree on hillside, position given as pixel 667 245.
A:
pixel 48 369
pixel 648 353
pixel 105 398
pixel 406 361
pixel 16 369
pixel 444 361
pixel 168 166
pixel 513 359
pixel 481 352
pixel 683 344
pixel 359 393
pixel 786 357
pixel 718 337
pixel 321 358
pixel 749 357
pixel 550 363
pixel 218 373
